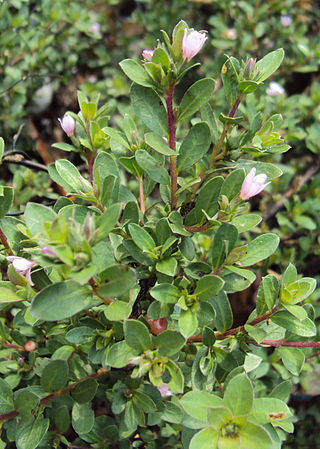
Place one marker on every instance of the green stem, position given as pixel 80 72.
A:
pixel 172 144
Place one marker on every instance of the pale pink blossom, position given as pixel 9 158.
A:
pixel 47 251
pixel 164 390
pixel 22 266
pixel 253 184
pixel 286 21
pixel 95 28
pixel 147 54
pixel 192 43
pixel 67 124
pixel 275 89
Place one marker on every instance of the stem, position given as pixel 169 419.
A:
pixel 5 243
pixel 230 332
pixel 218 145
pixel 51 397
pixel 201 228
pixel 141 195
pixel 95 291
pixel 10 345
pixel 90 159
pixel 172 144
pixel 293 344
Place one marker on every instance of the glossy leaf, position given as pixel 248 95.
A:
pixel 194 146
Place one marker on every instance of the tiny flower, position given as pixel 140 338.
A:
pixel 30 346
pixel 164 390
pixel 231 33
pixel 275 89
pixel 20 361
pixel 22 266
pixel 67 124
pixel 95 28
pixel 147 54
pixel 253 184
pixel 192 43
pixel 286 21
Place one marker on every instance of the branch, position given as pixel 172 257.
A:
pixel 51 397
pixel 292 344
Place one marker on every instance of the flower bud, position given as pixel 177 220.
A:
pixel 30 346
pixel 164 390
pixel 147 54
pixel 253 184
pixel 22 266
pixel 47 251
pixel 67 124
pixel 286 21
pixel 192 43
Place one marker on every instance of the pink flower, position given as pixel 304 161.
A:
pixel 164 390
pixel 147 54
pixel 47 251
pixel 67 124
pixel 253 184
pixel 192 43
pixel 22 266
pixel 286 21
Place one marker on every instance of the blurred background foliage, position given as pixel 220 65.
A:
pixel 50 49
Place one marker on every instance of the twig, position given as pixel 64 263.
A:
pixel 296 186
pixel 201 228
pixel 25 77
pixel 96 292
pixel 141 195
pixel 6 416
pixel 293 344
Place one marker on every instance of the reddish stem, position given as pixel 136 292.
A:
pixel 10 345
pixel 90 166
pixel 141 195
pixel 172 144
pixel 201 228
pixel 96 292
pixel 293 344
pixel 5 243
pixel 51 397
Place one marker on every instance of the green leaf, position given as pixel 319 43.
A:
pixel 165 293
pixel 176 383
pixel 205 439
pixel 194 146
pixel 246 222
pixel 29 435
pixel 69 173
pixel 208 337
pixel 269 410
pixel 149 108
pixel 230 79
pixel 238 396
pixel 1 147
pixel 292 358
pixel 304 328
pixel 269 64
pixel 223 243
pixel 137 335
pixel 64 147
pixel 208 198
pixel 141 237
pixel 118 311
pixel 198 94
pixel 26 402
pixel 208 287
pixel 259 249
pixel 82 418
pixel 232 184
pixel 230 120
pixel 117 136
pixel 6 200
pixel 136 72
pixel 6 397
pixel 119 279
pixel 131 165
pixel 35 215
pixel 282 391
pixel 120 354
pixel 172 413
pixel 167 266
pixel 143 402
pixel 54 375
pixel 158 143
pixel 224 316
pixel 196 403
pixel 152 167
pixel 267 294
pixel 169 342
pixel 188 322
pixel 271 170
pixel 61 418
pixel 85 391
pixel 248 86
pixel 107 221
pixel 219 416
pixel 7 295
pixel 80 335
pixel 254 436
pixel 60 300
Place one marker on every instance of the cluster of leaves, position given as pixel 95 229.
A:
pixel 130 310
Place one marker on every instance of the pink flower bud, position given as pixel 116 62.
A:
pixel 67 124
pixel 30 346
pixel 286 21
pixel 164 390
pixel 147 54
pixel 253 184
pixel 192 43
pixel 22 266
pixel 20 361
